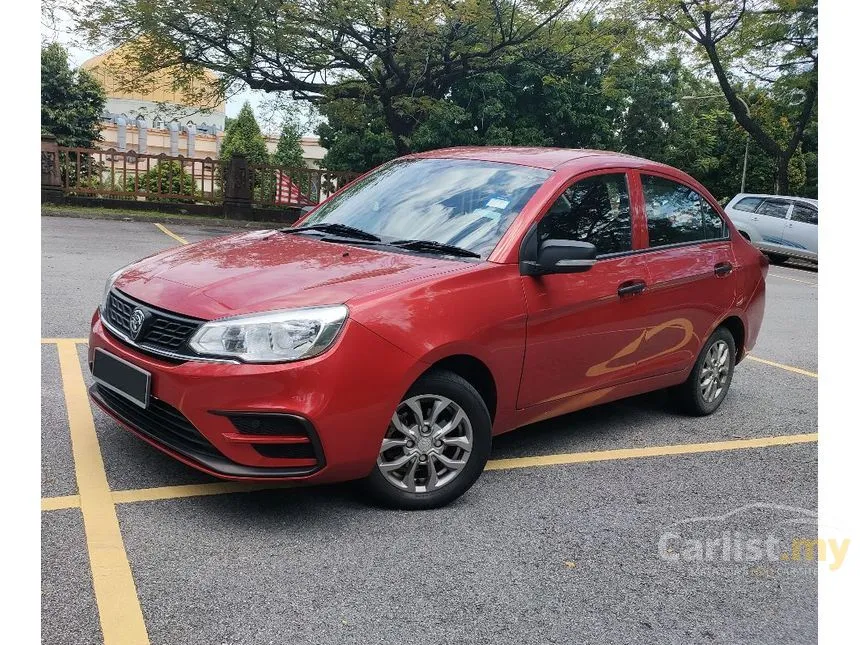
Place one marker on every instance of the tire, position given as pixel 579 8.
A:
pixel 776 258
pixel 691 395
pixel 420 448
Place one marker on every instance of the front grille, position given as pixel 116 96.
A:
pixel 161 422
pixel 162 330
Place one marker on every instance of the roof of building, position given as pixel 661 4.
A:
pixel 158 87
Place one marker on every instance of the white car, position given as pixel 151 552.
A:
pixel 782 227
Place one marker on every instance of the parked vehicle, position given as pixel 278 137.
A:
pixel 437 301
pixel 782 227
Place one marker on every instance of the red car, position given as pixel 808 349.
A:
pixel 437 301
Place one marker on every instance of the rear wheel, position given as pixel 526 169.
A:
pixel 706 387
pixel 776 258
pixel 436 444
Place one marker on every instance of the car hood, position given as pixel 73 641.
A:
pixel 268 270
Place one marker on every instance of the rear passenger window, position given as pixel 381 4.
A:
pixel 678 214
pixel 804 213
pixel 595 210
pixel 748 204
pixel 774 208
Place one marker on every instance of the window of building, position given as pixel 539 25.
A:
pixel 596 210
pixel 677 214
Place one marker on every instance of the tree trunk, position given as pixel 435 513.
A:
pixel 782 187
pixel 396 125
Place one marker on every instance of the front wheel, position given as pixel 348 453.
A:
pixel 435 447
pixel 706 387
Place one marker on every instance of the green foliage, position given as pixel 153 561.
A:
pixel 72 100
pixel 395 77
pixel 166 177
pixel 243 136
pixel 289 153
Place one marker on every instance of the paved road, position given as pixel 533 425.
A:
pixel 565 553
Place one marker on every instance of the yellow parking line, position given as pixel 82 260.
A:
pixel 116 596
pixel 170 233
pixel 54 341
pixel 60 503
pixel 785 277
pixel 190 490
pixel 220 488
pixel 650 451
pixel 787 368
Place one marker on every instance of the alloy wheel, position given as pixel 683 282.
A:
pixel 427 445
pixel 715 371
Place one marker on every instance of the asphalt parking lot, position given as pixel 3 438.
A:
pixel 560 541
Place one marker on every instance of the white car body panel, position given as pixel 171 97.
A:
pixel 771 227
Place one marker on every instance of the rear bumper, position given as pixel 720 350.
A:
pixel 344 399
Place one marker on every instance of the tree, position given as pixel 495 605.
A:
pixel 289 153
pixel 72 100
pixel 400 56
pixel 774 42
pixel 243 136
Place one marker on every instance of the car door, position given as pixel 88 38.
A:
pixel 770 219
pixel 579 322
pixel 690 265
pixel 801 229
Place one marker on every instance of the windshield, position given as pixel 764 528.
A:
pixel 465 203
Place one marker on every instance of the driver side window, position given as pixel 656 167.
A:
pixel 595 210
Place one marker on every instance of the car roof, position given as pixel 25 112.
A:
pixel 766 196
pixel 546 158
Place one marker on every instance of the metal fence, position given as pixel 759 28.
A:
pixel 131 175
pixel 128 175
pixel 276 186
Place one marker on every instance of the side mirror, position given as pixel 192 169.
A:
pixel 560 256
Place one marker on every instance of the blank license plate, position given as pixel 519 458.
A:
pixel 122 377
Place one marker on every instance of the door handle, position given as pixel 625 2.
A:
pixel 723 268
pixel 631 288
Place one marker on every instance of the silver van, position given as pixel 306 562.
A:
pixel 782 227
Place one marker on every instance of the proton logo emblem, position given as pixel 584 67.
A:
pixel 135 322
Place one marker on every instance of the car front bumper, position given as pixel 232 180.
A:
pixel 336 405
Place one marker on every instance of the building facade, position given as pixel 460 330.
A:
pixel 164 120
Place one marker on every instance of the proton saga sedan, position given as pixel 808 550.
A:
pixel 439 300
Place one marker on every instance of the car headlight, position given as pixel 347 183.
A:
pixel 109 285
pixel 271 337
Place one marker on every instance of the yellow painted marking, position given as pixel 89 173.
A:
pixel 788 368
pixel 170 233
pixel 785 277
pixel 650 451
pixel 60 503
pixel 221 488
pixel 190 490
pixel 54 341
pixel 116 596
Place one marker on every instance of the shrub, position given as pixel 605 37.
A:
pixel 166 177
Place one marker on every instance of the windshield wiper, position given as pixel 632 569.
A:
pixel 431 246
pixel 341 230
